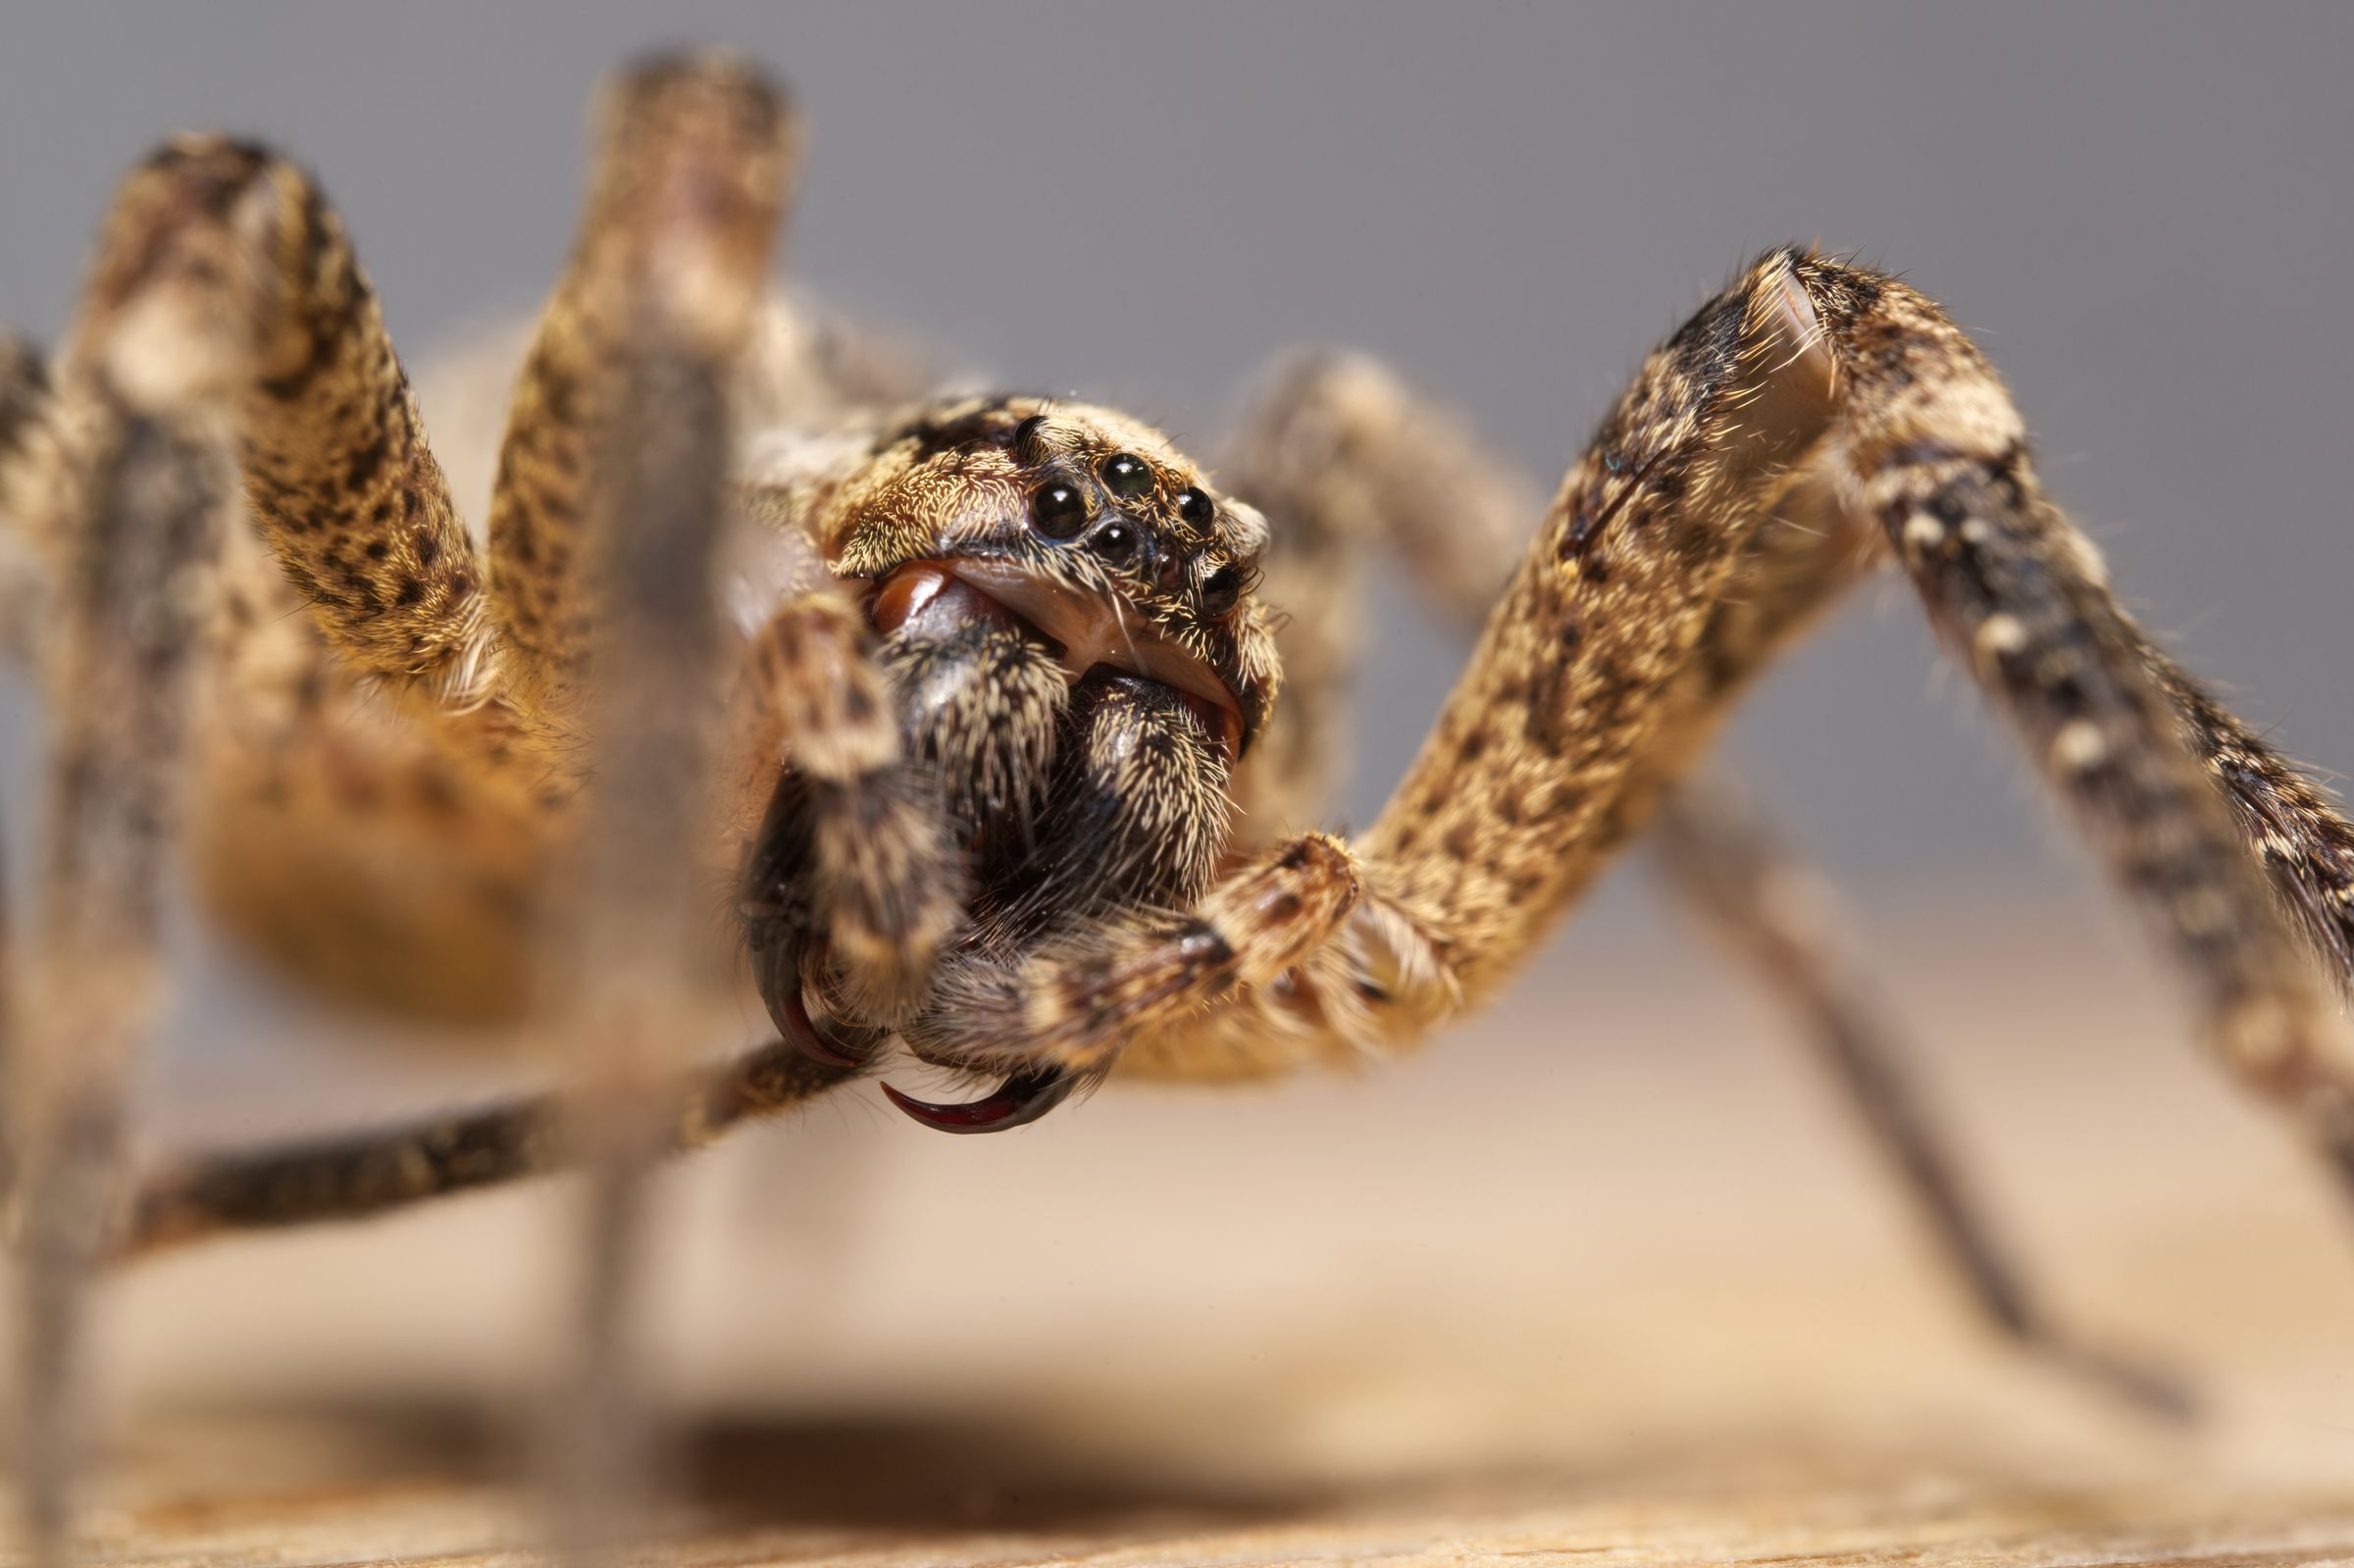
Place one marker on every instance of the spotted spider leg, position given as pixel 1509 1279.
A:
pixel 1347 460
pixel 606 540
pixel 809 692
pixel 1593 682
pixel 220 262
pixel 368 803
pixel 1320 950
pixel 1348 463
pixel 23 400
pixel 1601 678
pixel 130 477
pixel 885 884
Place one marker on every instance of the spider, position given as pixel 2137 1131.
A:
pixel 968 704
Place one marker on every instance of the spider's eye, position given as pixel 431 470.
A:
pixel 1126 476
pixel 1115 541
pixel 1195 507
pixel 1058 510
pixel 1222 591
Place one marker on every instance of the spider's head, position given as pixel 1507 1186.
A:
pixel 1066 618
pixel 1084 525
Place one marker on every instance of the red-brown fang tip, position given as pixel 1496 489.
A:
pixel 1021 1099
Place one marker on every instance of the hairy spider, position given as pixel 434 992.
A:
pixel 991 765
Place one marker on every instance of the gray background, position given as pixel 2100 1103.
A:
pixel 2143 211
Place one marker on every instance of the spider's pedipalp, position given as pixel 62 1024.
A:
pixel 1081 1001
pixel 851 861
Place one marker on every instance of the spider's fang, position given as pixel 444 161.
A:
pixel 816 1044
pixel 1021 1099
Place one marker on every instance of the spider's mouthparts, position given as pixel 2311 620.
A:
pixel 1090 629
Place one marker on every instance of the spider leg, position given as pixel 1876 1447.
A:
pixel 1919 440
pixel 387 1169
pixel 810 693
pixel 2306 846
pixel 134 489
pixel 24 575
pixel 1516 799
pixel 1604 670
pixel 1936 456
pixel 1345 458
pixel 336 469
pixel 368 805
pixel 1347 462
pixel 572 395
pixel 668 276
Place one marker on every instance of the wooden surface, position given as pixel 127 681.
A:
pixel 1603 1279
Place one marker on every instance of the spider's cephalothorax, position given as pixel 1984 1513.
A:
pixel 1076 662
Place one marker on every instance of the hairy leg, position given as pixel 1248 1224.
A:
pixel 1347 461
pixel 24 428
pixel 1613 658
pixel 690 183
pixel 572 398
pixel 336 469
pixel 390 1168
pixel 1595 682
pixel 133 490
pixel 1937 458
pixel 368 807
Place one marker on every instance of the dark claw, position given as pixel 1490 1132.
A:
pixel 793 1018
pixel 1020 1099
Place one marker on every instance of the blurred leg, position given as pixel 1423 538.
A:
pixel 666 279
pixel 138 494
